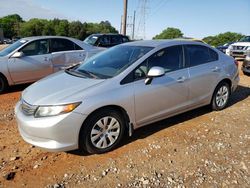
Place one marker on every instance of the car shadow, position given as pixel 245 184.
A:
pixel 240 94
pixel 16 88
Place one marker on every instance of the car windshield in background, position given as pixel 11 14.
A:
pixel 91 40
pixel 245 39
pixel 12 47
pixel 112 61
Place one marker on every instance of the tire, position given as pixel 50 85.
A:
pixel 3 84
pixel 246 73
pixel 96 136
pixel 221 96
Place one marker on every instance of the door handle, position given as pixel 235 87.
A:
pixel 181 79
pixel 216 69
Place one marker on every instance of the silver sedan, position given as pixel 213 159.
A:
pixel 33 58
pixel 93 106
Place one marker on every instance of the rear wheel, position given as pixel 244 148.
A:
pixel 220 96
pixel 102 132
pixel 3 84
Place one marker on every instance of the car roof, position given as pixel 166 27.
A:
pixel 158 43
pixel 78 42
pixel 45 37
pixel 101 34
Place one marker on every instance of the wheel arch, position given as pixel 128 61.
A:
pixel 117 108
pixel 4 77
pixel 228 81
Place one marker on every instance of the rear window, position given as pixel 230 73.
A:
pixel 197 55
pixel 58 45
pixel 214 55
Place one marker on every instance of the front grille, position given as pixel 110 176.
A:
pixel 27 108
pixel 238 53
pixel 238 47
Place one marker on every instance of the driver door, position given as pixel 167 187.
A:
pixel 33 65
pixel 166 94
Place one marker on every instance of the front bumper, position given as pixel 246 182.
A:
pixel 238 53
pixel 57 133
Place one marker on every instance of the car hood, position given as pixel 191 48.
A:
pixel 241 44
pixel 59 88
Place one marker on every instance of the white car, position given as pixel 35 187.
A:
pixel 240 48
pixel 30 59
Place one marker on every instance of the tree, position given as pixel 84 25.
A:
pixel 169 33
pixel 10 25
pixel 13 25
pixel 222 38
pixel 34 27
pixel 77 30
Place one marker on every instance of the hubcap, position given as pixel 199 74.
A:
pixel 222 96
pixel 105 132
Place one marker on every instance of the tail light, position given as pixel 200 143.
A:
pixel 236 63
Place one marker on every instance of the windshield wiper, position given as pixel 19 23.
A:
pixel 74 73
pixel 92 75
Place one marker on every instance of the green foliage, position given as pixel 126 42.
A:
pixel 169 33
pixel 222 38
pixel 10 25
pixel 13 25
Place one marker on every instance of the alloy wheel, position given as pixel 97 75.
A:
pixel 105 132
pixel 222 96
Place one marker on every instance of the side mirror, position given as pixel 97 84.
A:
pixel 17 55
pixel 154 72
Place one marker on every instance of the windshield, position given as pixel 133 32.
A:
pixel 245 39
pixel 12 47
pixel 112 61
pixel 91 39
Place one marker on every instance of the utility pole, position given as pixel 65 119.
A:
pixel 121 26
pixel 141 28
pixel 133 32
pixel 124 23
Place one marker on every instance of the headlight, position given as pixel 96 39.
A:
pixel 230 47
pixel 45 111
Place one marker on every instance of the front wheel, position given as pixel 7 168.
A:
pixel 220 96
pixel 102 132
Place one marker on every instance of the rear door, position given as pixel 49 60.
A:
pixel 65 53
pixel 33 65
pixel 204 70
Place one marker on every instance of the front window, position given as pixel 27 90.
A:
pixel 245 39
pixel 12 47
pixel 112 61
pixel 170 59
pixel 91 39
pixel 38 47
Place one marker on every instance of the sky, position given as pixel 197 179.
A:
pixel 195 18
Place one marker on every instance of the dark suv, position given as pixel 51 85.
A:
pixel 106 40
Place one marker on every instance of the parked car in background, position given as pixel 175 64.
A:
pixel 7 41
pixel 246 64
pixel 224 47
pixel 92 106
pixel 106 40
pixel 30 59
pixel 239 49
